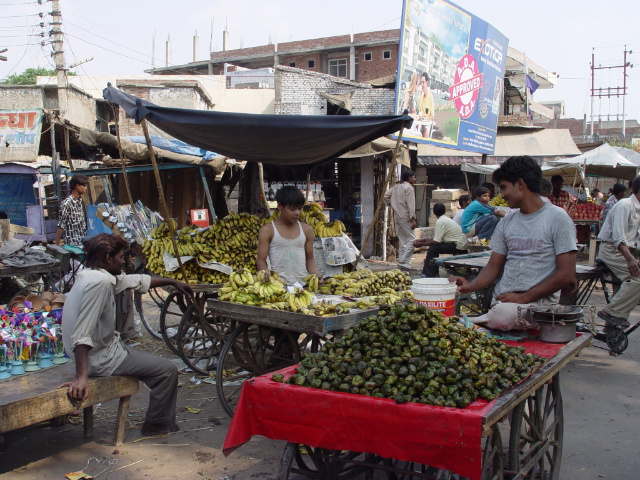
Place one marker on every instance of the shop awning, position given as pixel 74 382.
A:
pixel 603 161
pixel 545 143
pixel 271 139
pixel 378 146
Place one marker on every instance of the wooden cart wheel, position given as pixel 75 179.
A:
pixel 303 461
pixel 170 317
pixel 149 308
pixel 200 347
pixel 493 456
pixel 252 350
pixel 535 441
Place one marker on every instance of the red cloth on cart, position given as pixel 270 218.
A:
pixel 447 438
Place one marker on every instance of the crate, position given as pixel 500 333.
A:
pixel 447 195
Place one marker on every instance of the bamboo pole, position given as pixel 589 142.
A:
pixel 392 167
pixel 265 204
pixel 116 114
pixel 306 197
pixel 163 202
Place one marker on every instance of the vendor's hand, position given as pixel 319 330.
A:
pixel 463 285
pixel 77 389
pixel 634 267
pixel 183 288
pixel 419 242
pixel 512 298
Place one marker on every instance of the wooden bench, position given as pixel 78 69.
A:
pixel 36 397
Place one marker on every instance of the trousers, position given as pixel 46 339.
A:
pixel 405 239
pixel 434 251
pixel 485 226
pixel 161 376
pixel 625 300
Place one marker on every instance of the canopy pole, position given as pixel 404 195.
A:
pixel 390 172
pixel 116 114
pixel 466 179
pixel 207 192
pixel 306 199
pixel 163 202
pixel 262 192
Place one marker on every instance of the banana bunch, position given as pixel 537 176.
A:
pixel 232 240
pixel 312 282
pixel 364 283
pixel 312 215
pixel 330 229
pixel 162 230
pixel 498 201
pixel 324 309
pixel 298 299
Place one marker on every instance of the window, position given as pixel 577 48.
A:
pixel 368 57
pixel 311 63
pixel 292 64
pixel 338 67
pixel 386 55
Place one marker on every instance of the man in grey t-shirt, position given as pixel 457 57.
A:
pixel 534 249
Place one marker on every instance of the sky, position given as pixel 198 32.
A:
pixel 558 35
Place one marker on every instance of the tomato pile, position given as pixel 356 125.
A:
pixel 586 211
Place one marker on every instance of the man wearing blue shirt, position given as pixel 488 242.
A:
pixel 479 218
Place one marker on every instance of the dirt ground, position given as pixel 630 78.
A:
pixel 601 431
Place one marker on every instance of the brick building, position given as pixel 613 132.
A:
pixel 362 57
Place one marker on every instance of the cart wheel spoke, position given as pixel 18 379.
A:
pixel 317 463
pixel 149 308
pixel 249 351
pixel 171 315
pixel 200 346
pixel 535 442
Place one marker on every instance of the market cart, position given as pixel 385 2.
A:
pixel 334 435
pixel 258 340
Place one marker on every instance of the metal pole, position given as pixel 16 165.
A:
pixel 55 161
pixel 592 87
pixel 624 93
pixel 58 55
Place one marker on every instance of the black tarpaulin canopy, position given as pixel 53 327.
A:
pixel 270 139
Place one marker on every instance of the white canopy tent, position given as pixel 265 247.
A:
pixel 603 161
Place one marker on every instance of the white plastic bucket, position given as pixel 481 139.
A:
pixel 436 294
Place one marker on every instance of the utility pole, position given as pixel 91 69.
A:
pixel 610 92
pixel 61 74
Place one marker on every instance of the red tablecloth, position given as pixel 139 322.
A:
pixel 447 438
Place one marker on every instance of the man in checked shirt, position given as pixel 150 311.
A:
pixel 72 226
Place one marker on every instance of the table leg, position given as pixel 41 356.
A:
pixel 88 422
pixel 121 419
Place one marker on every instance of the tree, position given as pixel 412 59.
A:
pixel 28 77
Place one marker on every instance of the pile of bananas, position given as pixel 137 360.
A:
pixel 265 289
pixel 232 240
pixel 498 201
pixel 387 298
pixel 312 282
pixel 364 283
pixel 313 216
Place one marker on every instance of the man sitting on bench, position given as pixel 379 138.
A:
pixel 448 238
pixel 89 335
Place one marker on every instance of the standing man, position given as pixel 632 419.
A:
pixel 617 192
pixel 402 199
pixel 619 252
pixel 89 335
pixel 448 238
pixel 534 249
pixel 72 226
pixel 287 242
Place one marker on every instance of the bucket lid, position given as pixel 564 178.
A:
pixel 428 282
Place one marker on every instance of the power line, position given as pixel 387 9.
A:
pixel 107 49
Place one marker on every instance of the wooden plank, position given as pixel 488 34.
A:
pixel 87 415
pixel 32 269
pixel 511 398
pixel 296 322
pixel 121 420
pixel 37 397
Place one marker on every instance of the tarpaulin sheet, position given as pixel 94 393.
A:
pixel 270 139
pixel 16 193
pixel 446 438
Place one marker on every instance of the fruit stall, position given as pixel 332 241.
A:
pixel 412 395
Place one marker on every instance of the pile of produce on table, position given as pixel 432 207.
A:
pixel 411 354
pixel 498 201
pixel 232 240
pixel 364 282
pixel 586 211
pixel 266 289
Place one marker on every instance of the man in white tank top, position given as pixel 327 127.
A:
pixel 287 242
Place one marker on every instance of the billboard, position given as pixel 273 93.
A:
pixel 20 135
pixel 450 76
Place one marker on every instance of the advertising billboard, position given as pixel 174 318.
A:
pixel 20 135
pixel 450 76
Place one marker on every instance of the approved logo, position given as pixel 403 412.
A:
pixel 467 84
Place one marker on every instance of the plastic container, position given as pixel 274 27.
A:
pixel 436 294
